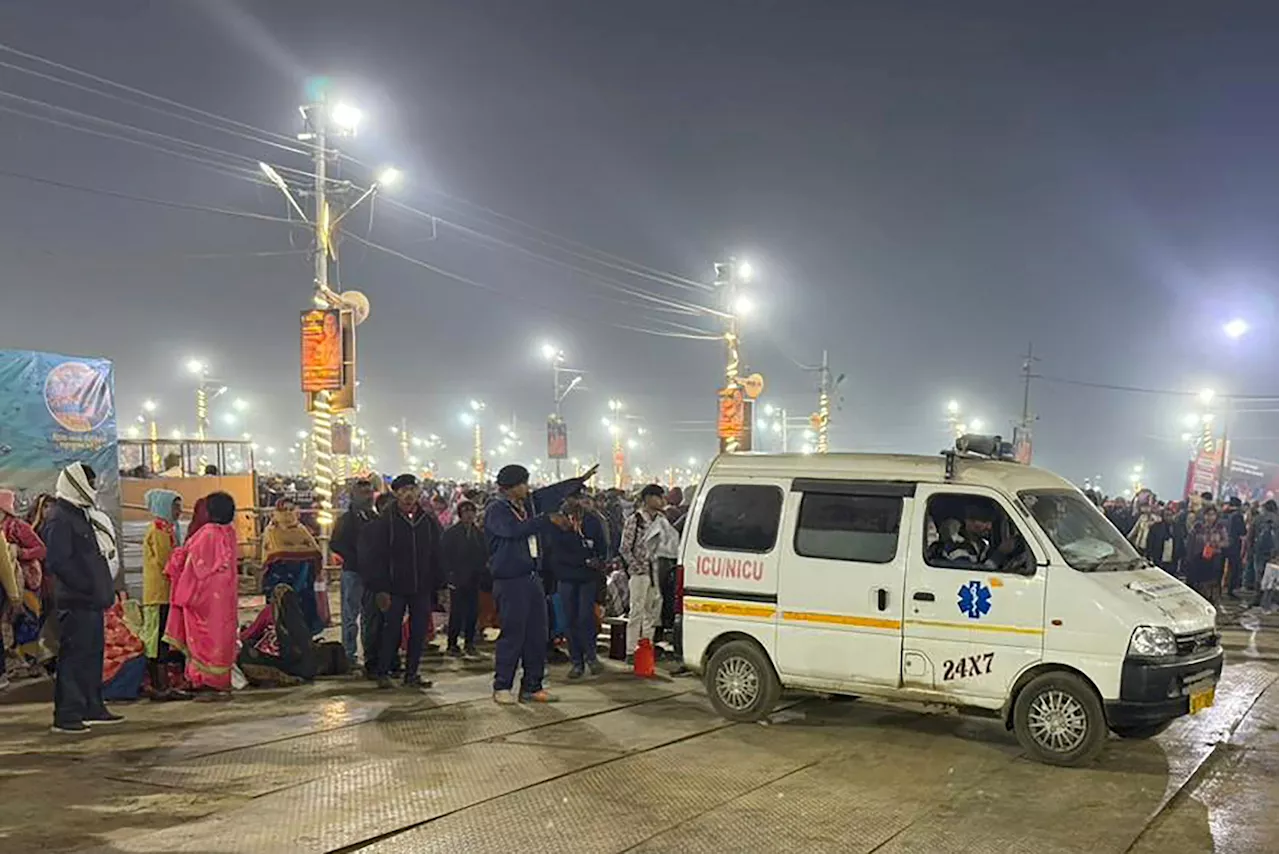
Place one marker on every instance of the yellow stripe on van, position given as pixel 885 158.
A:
pixel 729 609
pixel 977 627
pixel 841 620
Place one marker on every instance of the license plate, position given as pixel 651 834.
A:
pixel 1201 700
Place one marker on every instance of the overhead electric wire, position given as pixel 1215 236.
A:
pixel 259 138
pixel 440 271
pixel 251 162
pixel 612 284
pixel 223 168
pixel 1140 390
pixel 639 271
pixel 142 93
pixel 168 203
pixel 266 136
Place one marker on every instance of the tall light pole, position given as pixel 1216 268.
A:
pixel 322 120
pixel 153 434
pixel 824 406
pixel 472 419
pixel 559 390
pixel 729 275
pixel 615 431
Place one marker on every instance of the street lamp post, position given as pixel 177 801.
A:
pixel 153 434
pixel 322 120
pixel 729 274
pixel 559 391
pixel 472 419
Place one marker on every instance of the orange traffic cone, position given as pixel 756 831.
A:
pixel 644 666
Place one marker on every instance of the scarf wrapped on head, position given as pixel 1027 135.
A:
pixel 73 487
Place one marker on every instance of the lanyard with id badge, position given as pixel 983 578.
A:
pixel 521 515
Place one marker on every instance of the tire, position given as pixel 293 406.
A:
pixel 1059 720
pixel 1140 731
pixel 741 682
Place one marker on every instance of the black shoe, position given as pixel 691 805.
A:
pixel 385 683
pixel 595 667
pixel 453 652
pixel 69 729
pixel 575 672
pixel 471 653
pixel 417 682
pixel 104 719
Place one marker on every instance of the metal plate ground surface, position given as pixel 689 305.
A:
pixel 627 765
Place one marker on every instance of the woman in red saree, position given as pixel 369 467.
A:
pixel 203 605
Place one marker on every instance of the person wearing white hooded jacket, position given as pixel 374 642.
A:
pixel 81 548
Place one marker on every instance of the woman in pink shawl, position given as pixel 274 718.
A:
pixel 203 604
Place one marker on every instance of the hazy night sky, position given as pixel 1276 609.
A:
pixel 922 187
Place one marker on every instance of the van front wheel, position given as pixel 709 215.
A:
pixel 1059 719
pixel 741 682
pixel 1140 731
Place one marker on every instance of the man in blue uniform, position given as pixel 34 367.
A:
pixel 512 524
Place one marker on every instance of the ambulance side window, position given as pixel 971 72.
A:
pixel 740 518
pixel 860 528
pixel 965 531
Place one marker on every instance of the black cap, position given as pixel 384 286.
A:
pixel 512 475
pixel 403 480
pixel 653 489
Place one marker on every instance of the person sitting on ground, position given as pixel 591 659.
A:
pixel 291 555
pixel 276 649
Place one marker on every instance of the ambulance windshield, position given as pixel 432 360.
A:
pixel 1084 537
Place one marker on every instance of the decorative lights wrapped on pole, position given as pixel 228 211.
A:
pixel 729 274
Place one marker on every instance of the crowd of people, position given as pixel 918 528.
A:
pixel 1219 549
pixel 542 565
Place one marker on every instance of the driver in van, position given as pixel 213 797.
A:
pixel 970 543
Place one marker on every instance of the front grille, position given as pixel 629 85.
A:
pixel 1196 642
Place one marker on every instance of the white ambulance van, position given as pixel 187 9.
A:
pixel 963 579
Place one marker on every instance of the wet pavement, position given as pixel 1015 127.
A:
pixel 626 765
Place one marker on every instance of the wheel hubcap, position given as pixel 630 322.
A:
pixel 1057 721
pixel 737 684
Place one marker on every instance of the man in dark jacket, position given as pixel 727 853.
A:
pixel 401 566
pixel 466 559
pixel 345 543
pixel 82 591
pixel 372 619
pixel 512 524
pixel 1237 530
pixel 575 559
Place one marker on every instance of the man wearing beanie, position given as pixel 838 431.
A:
pixel 403 570
pixel 512 523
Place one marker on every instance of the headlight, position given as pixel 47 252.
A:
pixel 1152 642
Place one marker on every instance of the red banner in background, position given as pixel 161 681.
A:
pixel 557 439
pixel 1203 471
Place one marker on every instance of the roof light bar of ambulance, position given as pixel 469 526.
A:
pixel 993 447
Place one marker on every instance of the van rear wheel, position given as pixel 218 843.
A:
pixel 1059 720
pixel 741 682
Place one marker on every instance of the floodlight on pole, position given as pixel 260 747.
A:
pixel 1235 328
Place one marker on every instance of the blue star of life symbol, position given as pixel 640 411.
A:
pixel 975 599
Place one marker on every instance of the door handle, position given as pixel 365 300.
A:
pixel 882 599
pixel 922 596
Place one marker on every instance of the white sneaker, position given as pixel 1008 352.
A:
pixel 504 698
